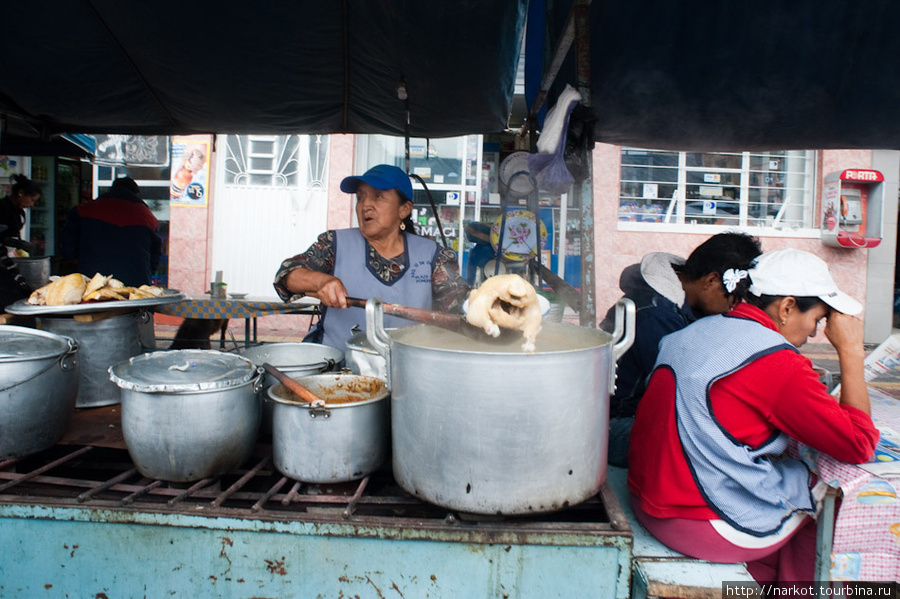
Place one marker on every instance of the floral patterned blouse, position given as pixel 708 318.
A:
pixel 449 289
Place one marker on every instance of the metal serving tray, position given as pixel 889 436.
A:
pixel 22 308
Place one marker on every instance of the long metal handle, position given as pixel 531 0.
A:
pixel 439 319
pixel 377 336
pixel 623 336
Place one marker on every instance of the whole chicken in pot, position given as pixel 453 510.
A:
pixel 506 302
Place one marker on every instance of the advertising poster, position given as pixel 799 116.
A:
pixel 131 150
pixel 189 183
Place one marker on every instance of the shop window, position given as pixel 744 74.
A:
pixel 451 170
pixel 285 161
pixel 153 181
pixel 772 190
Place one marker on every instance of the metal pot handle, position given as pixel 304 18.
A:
pixel 68 360
pixel 260 379
pixel 623 336
pixel 377 336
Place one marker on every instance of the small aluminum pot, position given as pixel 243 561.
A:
pixel 188 414
pixel 345 439
pixel 34 269
pixel 293 359
pixel 38 387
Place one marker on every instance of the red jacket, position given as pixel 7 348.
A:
pixel 777 392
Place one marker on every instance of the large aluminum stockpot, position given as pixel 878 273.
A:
pixel 103 343
pixel 188 414
pixel 38 387
pixel 487 429
pixel 293 359
pixel 345 439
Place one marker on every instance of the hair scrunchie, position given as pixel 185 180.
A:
pixel 731 277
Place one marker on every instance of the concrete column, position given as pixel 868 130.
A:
pixel 881 260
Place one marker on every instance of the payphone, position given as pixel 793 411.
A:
pixel 852 208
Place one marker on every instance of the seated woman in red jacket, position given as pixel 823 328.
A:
pixel 708 472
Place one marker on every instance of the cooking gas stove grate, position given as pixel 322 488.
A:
pixel 104 478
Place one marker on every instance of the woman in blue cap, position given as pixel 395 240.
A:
pixel 382 257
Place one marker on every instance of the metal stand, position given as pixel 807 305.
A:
pixel 532 206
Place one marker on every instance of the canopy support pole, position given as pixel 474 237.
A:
pixel 577 32
pixel 583 191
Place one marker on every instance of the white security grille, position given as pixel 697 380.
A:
pixel 270 204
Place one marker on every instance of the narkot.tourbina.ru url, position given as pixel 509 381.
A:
pixel 810 589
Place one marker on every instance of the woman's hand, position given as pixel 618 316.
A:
pixel 846 334
pixel 332 293
pixel 327 288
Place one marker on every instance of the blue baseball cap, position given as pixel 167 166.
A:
pixel 383 176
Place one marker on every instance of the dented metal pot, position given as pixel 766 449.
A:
pixel 38 388
pixel 346 438
pixel 188 414
pixel 488 429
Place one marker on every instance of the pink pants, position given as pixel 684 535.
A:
pixel 790 560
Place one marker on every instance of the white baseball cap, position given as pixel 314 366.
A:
pixel 800 274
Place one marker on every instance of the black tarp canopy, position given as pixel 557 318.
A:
pixel 663 73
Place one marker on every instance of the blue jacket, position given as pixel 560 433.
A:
pixel 656 316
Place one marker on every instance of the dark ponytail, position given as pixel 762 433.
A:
pixel 410 226
pixel 24 186
pixel 407 224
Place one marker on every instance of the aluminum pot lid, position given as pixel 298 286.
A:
pixel 22 343
pixel 182 371
pixel 282 355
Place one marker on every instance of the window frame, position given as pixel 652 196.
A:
pixel 679 220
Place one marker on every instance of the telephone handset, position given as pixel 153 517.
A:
pixel 851 210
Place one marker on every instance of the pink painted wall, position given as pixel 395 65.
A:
pixel 340 165
pixel 190 235
pixel 190 230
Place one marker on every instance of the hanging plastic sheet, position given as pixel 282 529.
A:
pixel 549 165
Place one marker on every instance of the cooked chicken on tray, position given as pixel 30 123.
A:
pixel 508 302
pixel 79 289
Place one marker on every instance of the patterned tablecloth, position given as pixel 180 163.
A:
pixel 867 528
pixel 208 308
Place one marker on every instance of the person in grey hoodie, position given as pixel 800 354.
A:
pixel 669 293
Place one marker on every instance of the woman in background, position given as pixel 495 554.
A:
pixel 24 194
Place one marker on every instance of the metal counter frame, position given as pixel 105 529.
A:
pixel 75 525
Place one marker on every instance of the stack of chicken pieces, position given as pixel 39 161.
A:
pixel 78 289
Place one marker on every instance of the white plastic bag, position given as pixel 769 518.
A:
pixel 555 123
